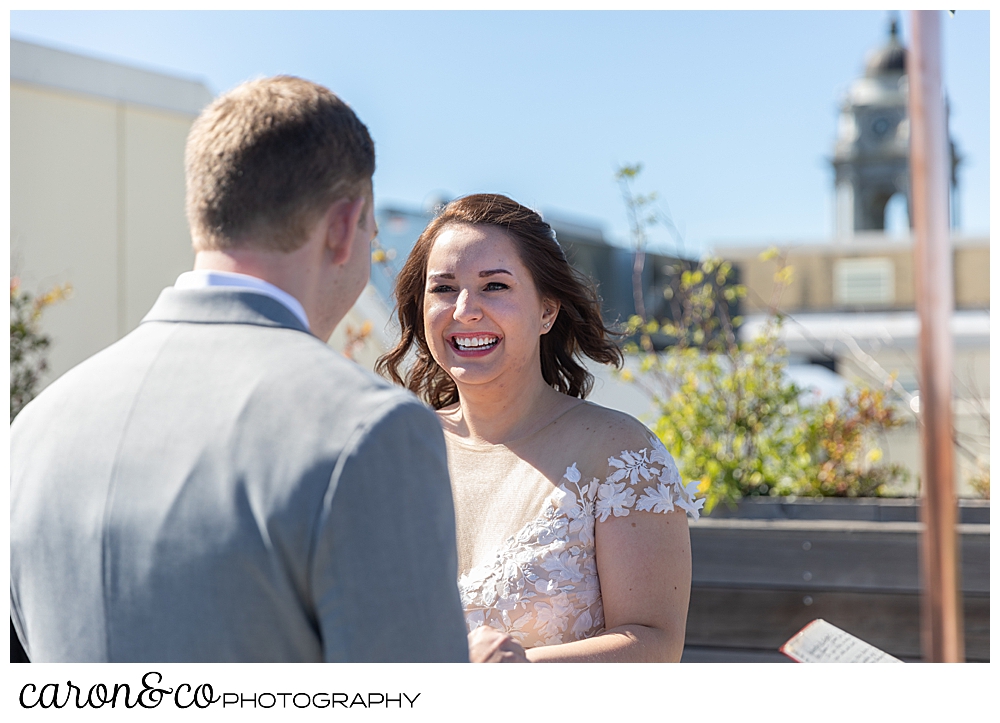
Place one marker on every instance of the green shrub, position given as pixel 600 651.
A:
pixel 732 419
pixel 28 344
pixel 738 425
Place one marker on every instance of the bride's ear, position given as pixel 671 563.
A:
pixel 550 310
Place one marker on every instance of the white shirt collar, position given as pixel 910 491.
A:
pixel 203 278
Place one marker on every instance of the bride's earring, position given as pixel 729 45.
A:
pixel 548 324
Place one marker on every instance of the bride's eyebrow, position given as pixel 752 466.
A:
pixel 482 274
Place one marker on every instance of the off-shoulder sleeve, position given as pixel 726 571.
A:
pixel 647 480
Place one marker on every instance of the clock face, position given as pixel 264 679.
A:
pixel 880 126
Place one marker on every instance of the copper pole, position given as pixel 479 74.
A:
pixel 941 604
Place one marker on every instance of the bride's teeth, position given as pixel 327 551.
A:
pixel 477 341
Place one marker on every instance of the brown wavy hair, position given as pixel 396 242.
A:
pixel 578 330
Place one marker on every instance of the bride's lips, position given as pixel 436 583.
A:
pixel 474 345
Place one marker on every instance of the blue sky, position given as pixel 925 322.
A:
pixel 733 114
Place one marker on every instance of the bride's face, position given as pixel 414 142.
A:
pixel 483 316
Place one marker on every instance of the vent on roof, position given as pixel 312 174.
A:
pixel 864 281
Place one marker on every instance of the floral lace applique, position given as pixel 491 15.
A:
pixel 542 587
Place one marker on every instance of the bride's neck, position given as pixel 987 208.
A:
pixel 498 413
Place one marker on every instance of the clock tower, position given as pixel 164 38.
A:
pixel 871 156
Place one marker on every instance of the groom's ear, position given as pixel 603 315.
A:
pixel 342 221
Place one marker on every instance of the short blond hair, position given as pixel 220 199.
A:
pixel 266 159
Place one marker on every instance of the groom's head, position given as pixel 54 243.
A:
pixel 267 159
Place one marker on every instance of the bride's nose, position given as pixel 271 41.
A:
pixel 467 308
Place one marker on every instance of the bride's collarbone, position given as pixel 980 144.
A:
pixel 510 432
pixel 584 434
pixel 593 435
pixel 573 439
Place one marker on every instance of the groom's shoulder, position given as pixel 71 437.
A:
pixel 327 376
pixel 315 363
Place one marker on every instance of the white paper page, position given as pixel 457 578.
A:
pixel 821 642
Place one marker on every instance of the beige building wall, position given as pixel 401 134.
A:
pixel 814 267
pixel 97 191
pixel 972 277
pixel 97 199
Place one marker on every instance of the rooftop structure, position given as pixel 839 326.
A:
pixel 871 154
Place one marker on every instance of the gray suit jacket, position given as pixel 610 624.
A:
pixel 220 485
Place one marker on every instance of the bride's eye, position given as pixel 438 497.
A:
pixel 440 289
pixel 496 286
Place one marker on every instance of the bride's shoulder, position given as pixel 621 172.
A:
pixel 637 471
pixel 607 433
pixel 610 428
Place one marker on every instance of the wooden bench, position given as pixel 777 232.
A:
pixel 763 572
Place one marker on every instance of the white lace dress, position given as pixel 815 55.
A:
pixel 526 545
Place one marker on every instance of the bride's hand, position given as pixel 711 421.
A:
pixel 488 645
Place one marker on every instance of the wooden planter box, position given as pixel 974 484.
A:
pixel 763 571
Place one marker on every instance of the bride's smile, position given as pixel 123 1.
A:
pixel 474 344
pixel 483 315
